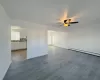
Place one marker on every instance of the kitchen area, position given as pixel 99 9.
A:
pixel 18 44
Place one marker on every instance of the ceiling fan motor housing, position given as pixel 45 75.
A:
pixel 67 21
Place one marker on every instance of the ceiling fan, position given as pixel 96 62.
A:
pixel 68 21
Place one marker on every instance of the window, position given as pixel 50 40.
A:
pixel 15 35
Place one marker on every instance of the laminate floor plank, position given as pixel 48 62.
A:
pixel 59 64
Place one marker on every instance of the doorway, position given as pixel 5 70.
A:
pixel 18 44
pixel 50 37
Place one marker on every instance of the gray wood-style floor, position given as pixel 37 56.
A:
pixel 59 64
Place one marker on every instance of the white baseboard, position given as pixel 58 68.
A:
pixel 37 56
pixel 87 52
pixel 92 53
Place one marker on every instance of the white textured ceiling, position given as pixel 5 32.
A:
pixel 48 11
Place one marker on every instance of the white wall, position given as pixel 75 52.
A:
pixel 81 37
pixel 37 42
pixel 5 48
pixel 23 33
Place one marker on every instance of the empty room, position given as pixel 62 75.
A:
pixel 49 40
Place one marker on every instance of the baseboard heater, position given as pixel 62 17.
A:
pixel 92 53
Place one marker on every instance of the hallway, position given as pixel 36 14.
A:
pixel 59 64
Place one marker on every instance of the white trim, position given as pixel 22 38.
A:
pixel 92 53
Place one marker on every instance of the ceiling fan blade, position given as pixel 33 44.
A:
pixel 63 17
pixel 74 22
pixel 73 19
